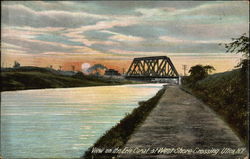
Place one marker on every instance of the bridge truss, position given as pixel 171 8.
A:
pixel 151 68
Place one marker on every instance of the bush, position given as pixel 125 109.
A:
pixel 226 94
pixel 197 73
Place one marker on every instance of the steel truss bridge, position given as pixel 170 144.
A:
pixel 150 68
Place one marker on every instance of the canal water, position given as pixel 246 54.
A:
pixel 65 122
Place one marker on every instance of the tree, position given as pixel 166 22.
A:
pixel 239 45
pixel 209 69
pixel 199 72
pixel 79 75
pixel 16 64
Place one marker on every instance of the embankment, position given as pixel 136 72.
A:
pixel 227 94
pixel 25 78
pixel 118 135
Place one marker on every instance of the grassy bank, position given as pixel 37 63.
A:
pixel 118 135
pixel 39 78
pixel 227 94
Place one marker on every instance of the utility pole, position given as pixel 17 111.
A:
pixel 73 68
pixel 184 67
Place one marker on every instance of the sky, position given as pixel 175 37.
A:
pixel 112 33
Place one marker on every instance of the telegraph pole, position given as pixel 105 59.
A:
pixel 184 69
pixel 73 68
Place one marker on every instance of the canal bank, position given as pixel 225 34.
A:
pixel 28 78
pixel 179 122
pixel 118 135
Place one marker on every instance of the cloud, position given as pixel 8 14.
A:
pixel 199 31
pixel 178 40
pixel 36 29
pixel 78 33
pixel 204 9
pixel 128 38
pixel 219 9
pixel 19 15
pixel 9 32
pixel 33 46
pixel 135 53
pixel 172 39
pixel 206 13
pixel 57 38
pixel 129 53
pixel 122 37
pixel 67 53
pixel 159 45
pixel 37 42
pixel 129 7
pixel 102 25
pixel 101 29
pixel 10 46
pixel 13 51
pixel 78 37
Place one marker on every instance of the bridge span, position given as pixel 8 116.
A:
pixel 152 68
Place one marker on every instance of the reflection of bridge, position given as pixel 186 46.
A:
pixel 151 68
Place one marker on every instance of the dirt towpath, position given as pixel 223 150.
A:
pixel 182 127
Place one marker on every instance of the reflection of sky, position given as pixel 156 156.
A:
pixel 56 123
pixel 75 31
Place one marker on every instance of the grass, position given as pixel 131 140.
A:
pixel 227 94
pixel 118 135
pixel 39 78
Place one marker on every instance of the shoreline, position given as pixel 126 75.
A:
pixel 119 134
pixel 44 79
pixel 33 89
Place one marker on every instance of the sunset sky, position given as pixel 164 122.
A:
pixel 43 33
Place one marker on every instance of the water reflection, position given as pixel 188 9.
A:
pixel 64 122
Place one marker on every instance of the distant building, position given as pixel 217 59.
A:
pixel 112 72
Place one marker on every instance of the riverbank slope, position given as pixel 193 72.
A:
pixel 227 94
pixel 176 120
pixel 184 127
pixel 118 135
pixel 24 78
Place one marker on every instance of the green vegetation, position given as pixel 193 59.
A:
pixel 239 45
pixel 226 93
pixel 198 72
pixel 23 78
pixel 118 135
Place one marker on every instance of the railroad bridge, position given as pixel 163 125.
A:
pixel 152 68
